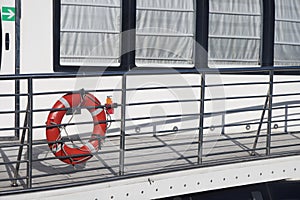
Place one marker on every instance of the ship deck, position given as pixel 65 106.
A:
pixel 144 155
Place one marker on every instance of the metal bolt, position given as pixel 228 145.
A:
pixel 248 127
pixel 137 129
pixel 175 128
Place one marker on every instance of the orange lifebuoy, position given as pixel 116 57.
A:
pixel 61 150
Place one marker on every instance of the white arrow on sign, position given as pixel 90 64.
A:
pixel 10 14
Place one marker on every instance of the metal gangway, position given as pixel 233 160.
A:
pixel 228 128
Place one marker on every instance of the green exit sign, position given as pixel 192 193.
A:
pixel 8 13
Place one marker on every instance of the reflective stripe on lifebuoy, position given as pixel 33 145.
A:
pixel 61 150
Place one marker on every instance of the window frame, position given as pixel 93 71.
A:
pixel 128 40
pixel 58 67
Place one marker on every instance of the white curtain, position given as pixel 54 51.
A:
pixel 234 32
pixel 287 32
pixel 165 33
pixel 90 32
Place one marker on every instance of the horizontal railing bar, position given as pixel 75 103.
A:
pixel 283 107
pixel 160 146
pixel 149 71
pixel 290 126
pixel 153 71
pixel 289 120
pixel 225 112
pixel 237 84
pixel 13 111
pixel 283 115
pixel 285 146
pixel 293 132
pixel 74 124
pixel 162 116
pixel 65 109
pixel 285 95
pixel 164 131
pixel 234 138
pixel 163 102
pixel 13 128
pixel 237 97
pixel 76 91
pixel 234 124
pixel 164 87
pixel 13 95
pixel 283 82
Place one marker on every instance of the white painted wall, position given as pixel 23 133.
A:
pixel 37 57
pixel 36 37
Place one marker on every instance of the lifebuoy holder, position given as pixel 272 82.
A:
pixel 76 155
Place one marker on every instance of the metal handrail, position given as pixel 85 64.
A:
pixel 197 156
pixel 154 71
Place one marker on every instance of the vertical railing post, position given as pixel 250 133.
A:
pixel 123 127
pixel 154 129
pixel 270 103
pixel 29 136
pixel 286 112
pixel 17 66
pixel 201 122
pixel 223 123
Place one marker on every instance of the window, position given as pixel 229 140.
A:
pixel 89 32
pixel 287 32
pixel 234 32
pixel 165 32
